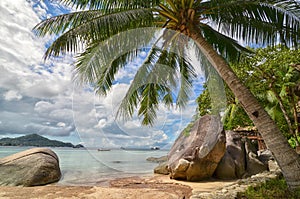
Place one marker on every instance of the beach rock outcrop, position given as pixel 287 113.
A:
pixel 241 158
pixel 233 164
pixel 37 166
pixel 158 160
pixel 162 168
pixel 196 155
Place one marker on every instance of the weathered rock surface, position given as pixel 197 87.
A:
pixel 265 156
pixel 158 160
pixel 37 166
pixel 273 166
pixel 241 158
pixel 254 165
pixel 233 164
pixel 195 157
pixel 162 168
pixel 226 168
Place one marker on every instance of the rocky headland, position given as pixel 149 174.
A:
pixel 35 140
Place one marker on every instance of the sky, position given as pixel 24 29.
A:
pixel 40 97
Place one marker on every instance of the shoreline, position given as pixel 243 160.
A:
pixel 134 187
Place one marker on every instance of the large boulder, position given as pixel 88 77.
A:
pixel 267 158
pixel 241 158
pixel 226 168
pixel 37 166
pixel 233 163
pixel 195 156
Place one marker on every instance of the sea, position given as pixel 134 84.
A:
pixel 92 167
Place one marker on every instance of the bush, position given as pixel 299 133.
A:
pixel 272 189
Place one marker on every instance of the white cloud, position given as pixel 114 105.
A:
pixel 101 123
pixel 25 79
pixel 12 95
pixel 40 97
pixel 61 124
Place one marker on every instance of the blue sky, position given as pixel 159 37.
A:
pixel 38 97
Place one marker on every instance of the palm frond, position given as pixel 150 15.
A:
pixel 110 4
pixel 95 30
pixel 154 82
pixel 260 22
pixel 187 76
pixel 61 23
pixel 229 48
pixel 214 82
pixel 99 63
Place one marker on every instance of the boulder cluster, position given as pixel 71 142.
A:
pixel 209 151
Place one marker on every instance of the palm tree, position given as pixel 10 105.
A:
pixel 213 25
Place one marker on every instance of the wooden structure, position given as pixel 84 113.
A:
pixel 252 133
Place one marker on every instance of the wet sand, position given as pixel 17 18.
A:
pixel 158 186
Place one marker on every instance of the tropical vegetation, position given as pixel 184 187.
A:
pixel 271 75
pixel 233 116
pixel 214 26
pixel 272 189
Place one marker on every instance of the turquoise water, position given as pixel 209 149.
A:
pixel 89 167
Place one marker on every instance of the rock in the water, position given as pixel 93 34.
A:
pixel 37 166
pixel 158 160
pixel 233 163
pixel 195 157
pixel 162 168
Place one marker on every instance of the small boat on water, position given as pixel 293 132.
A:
pixel 155 148
pixel 103 149
pixel 140 149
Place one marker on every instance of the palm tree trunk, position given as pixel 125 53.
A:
pixel 287 158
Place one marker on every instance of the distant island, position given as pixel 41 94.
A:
pixel 35 140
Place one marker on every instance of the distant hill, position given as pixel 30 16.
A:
pixel 35 140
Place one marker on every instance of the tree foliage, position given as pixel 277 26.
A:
pixel 272 76
pixel 233 116
pixel 89 31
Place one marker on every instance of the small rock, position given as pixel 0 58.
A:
pixel 273 166
pixel 265 156
pixel 224 191
pixel 158 160
pixel 162 169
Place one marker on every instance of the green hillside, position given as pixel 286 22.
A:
pixel 35 140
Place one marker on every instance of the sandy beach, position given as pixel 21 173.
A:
pixel 157 186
